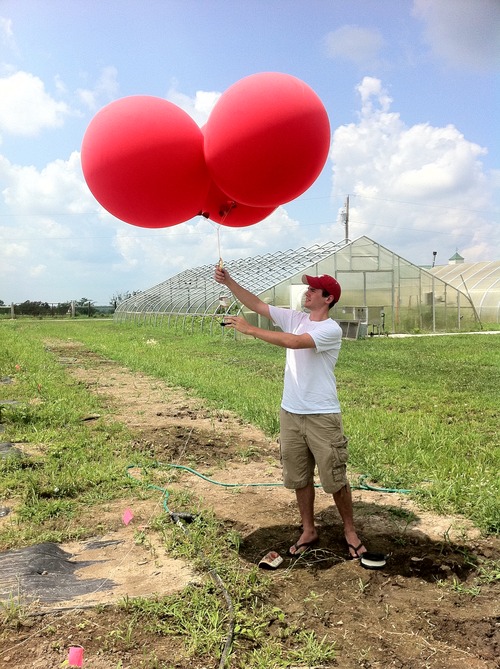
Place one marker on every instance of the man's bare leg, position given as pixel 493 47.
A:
pixel 343 501
pixel 305 501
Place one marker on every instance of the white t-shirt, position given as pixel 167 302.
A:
pixel 310 385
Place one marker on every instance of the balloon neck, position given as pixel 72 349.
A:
pixel 224 211
pixel 227 208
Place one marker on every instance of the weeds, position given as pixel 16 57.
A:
pixel 13 612
pixel 411 422
pixel 460 588
pixel 489 572
pixel 313 651
pixel 412 419
pixel 421 414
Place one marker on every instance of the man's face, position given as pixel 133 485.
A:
pixel 314 298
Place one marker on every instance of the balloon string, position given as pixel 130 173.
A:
pixel 225 213
pixel 224 216
pixel 221 262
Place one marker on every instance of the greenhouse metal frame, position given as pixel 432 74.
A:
pixel 381 292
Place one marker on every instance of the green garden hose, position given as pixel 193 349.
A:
pixel 362 485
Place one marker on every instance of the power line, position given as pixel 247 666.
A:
pixel 427 204
pixel 296 202
pixel 206 233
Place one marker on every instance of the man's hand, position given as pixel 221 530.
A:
pixel 284 339
pixel 248 299
pixel 238 323
pixel 221 275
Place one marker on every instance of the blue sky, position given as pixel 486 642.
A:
pixel 411 88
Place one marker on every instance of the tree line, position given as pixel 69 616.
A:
pixel 82 307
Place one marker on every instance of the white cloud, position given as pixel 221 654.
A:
pixel 464 33
pixel 370 91
pixel 6 33
pixel 274 232
pixel 56 189
pixel 105 89
pixel 199 107
pixel 162 253
pixel 50 232
pixel 37 271
pixel 361 46
pixel 436 163
pixel 57 243
pixel 413 184
pixel 26 107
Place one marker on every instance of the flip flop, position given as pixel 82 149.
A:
pixel 306 545
pixel 373 560
pixel 271 560
pixel 357 555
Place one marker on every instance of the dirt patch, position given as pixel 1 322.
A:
pixel 101 570
pixel 427 608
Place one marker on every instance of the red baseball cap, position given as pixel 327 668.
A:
pixel 324 282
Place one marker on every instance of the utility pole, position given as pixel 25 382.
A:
pixel 346 219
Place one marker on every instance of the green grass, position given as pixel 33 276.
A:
pixel 200 617
pixel 421 413
pixel 82 463
pixel 427 418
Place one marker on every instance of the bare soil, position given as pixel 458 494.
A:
pixel 426 609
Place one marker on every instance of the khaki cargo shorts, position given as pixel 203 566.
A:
pixel 309 440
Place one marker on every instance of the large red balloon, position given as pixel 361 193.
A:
pixel 142 158
pixel 267 139
pixel 220 208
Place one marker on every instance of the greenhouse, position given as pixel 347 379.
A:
pixel 479 280
pixel 381 292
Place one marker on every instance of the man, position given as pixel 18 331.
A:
pixel 310 420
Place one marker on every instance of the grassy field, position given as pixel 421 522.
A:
pixel 421 413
